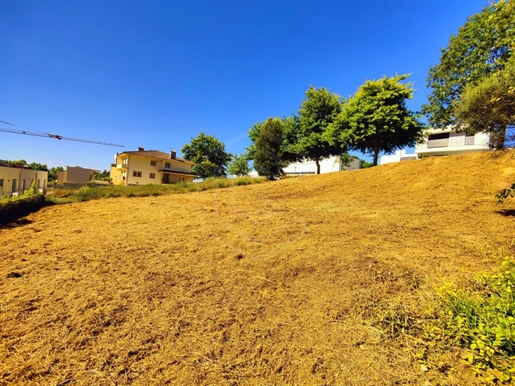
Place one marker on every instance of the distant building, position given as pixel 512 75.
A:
pixel 150 167
pixel 327 165
pixel 75 175
pixel 16 179
pixel 448 141
pixel 400 155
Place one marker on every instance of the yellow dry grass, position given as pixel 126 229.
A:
pixel 270 284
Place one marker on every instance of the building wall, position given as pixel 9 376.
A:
pixel 74 175
pixel 18 180
pixel 457 143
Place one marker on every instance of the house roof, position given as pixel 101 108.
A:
pixel 156 154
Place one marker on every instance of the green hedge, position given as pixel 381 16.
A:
pixel 13 210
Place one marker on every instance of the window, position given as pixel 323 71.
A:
pixel 125 160
pixel 181 179
pixel 438 140
pixel 136 173
pixel 152 175
pixel 469 139
pixel 1 182
pixel 167 165
pixel 153 163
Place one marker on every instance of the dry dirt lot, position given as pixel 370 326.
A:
pixel 278 283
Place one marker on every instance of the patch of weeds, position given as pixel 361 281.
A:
pixel 481 321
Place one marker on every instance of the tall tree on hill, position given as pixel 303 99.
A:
pixel 376 118
pixel 208 154
pixel 268 154
pixel 489 105
pixel 482 47
pixel 318 110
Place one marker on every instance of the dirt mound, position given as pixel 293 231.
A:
pixel 279 283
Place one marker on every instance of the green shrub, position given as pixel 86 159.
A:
pixel 482 320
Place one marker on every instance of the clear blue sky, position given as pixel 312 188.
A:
pixel 157 73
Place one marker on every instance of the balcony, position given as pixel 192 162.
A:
pixel 121 166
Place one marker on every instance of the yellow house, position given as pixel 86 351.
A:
pixel 150 167
pixel 16 179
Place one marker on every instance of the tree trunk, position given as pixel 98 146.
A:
pixel 376 156
pixel 318 166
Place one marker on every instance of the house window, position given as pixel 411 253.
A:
pixel 181 179
pixel 152 175
pixel 469 139
pixel 1 182
pixel 136 173
pixel 125 160
pixel 438 140
pixel 153 163
pixel 168 165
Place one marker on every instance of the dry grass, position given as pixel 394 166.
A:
pixel 285 282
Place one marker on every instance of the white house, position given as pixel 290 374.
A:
pixel 400 155
pixel 327 165
pixel 447 141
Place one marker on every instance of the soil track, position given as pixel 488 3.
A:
pixel 277 283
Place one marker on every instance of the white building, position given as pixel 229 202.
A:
pixel 448 141
pixel 327 165
pixel 400 155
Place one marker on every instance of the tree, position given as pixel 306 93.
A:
pixel 376 118
pixel 489 105
pixel 268 160
pixel 37 166
pixel 208 154
pixel 239 166
pixel 482 46
pixel 318 110
pixel 53 173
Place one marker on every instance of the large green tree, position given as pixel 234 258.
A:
pixel 489 105
pixel 208 154
pixel 269 145
pixel 318 110
pixel 481 47
pixel 376 118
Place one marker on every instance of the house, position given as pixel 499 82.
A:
pixel 75 175
pixel 327 165
pixel 399 156
pixel 150 167
pixel 447 141
pixel 16 179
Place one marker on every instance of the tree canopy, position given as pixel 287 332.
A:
pixel 376 118
pixel 318 110
pixel 208 154
pixel 481 47
pixel 489 105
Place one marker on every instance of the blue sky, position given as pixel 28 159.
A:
pixel 157 73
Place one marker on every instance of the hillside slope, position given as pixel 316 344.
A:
pixel 287 282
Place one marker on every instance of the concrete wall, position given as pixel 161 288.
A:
pixel 17 180
pixel 74 175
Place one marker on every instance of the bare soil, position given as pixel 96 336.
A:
pixel 284 282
